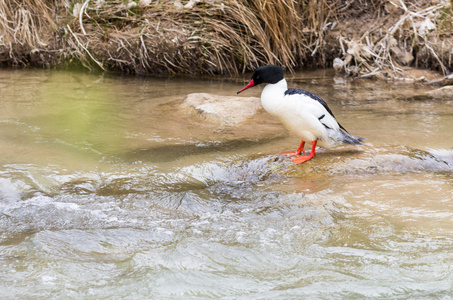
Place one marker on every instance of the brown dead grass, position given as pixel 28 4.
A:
pixel 213 37
pixel 25 27
pixel 225 36
pixel 410 33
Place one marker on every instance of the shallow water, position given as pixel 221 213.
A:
pixel 110 189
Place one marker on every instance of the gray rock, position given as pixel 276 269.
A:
pixel 223 110
pixel 445 91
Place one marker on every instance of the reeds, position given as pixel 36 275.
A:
pixel 162 37
pixel 213 36
pixel 26 28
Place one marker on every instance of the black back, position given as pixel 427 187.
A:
pixel 295 91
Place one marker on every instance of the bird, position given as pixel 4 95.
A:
pixel 304 114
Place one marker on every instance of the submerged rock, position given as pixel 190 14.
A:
pixel 367 160
pixel 224 110
pixel 388 160
pixel 445 91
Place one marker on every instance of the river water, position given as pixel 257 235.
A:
pixel 109 189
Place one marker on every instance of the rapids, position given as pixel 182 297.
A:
pixel 110 189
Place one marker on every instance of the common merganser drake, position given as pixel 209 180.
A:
pixel 304 114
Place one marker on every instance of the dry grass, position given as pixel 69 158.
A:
pixel 26 27
pixel 212 36
pixel 416 34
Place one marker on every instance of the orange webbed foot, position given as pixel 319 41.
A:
pixel 297 152
pixel 302 158
pixel 299 159
pixel 293 153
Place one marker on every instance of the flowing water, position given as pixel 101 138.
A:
pixel 110 189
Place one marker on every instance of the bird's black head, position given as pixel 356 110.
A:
pixel 265 74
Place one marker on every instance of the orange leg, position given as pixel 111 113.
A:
pixel 303 158
pixel 298 151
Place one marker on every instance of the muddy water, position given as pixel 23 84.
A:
pixel 109 189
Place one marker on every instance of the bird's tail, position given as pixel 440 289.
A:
pixel 351 139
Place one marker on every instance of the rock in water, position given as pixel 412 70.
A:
pixel 445 91
pixel 224 110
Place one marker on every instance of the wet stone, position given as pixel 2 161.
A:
pixel 366 160
pixel 445 91
pixel 223 110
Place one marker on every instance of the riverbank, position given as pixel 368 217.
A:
pixel 362 38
